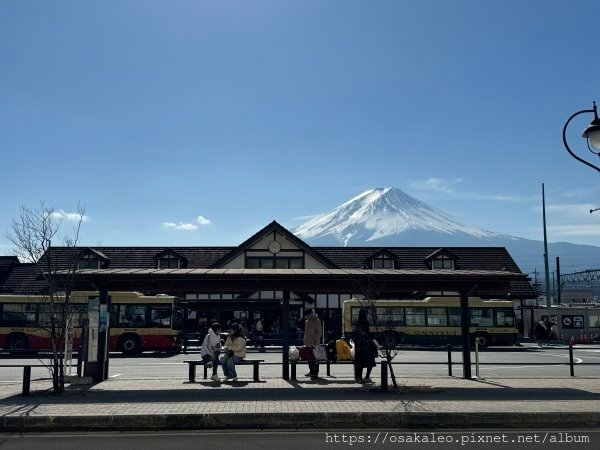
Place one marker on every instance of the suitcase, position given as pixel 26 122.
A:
pixel 331 351
pixel 306 353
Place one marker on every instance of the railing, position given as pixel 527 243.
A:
pixel 571 363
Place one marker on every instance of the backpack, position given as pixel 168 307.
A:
pixel 343 350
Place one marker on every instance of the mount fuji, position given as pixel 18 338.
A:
pixel 388 217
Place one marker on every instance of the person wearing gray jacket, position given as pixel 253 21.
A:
pixel 312 337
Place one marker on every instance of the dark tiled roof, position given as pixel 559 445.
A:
pixel 469 258
pixel 23 280
pixel 407 258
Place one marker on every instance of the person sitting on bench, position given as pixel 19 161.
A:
pixel 235 351
pixel 211 348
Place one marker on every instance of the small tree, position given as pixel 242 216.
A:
pixel 367 292
pixel 32 236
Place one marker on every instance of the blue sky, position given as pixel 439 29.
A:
pixel 156 113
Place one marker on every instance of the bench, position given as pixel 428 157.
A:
pixel 245 362
pixel 328 363
pixel 26 375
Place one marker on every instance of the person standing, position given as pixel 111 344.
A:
pixel 211 347
pixel 235 351
pixel 312 336
pixel 364 350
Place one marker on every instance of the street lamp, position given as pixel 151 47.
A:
pixel 591 133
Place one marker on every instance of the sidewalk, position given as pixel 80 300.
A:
pixel 175 403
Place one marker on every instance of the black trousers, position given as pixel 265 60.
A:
pixel 313 367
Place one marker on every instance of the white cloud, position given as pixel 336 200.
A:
pixel 61 214
pixel 575 230
pixel 179 226
pixel 201 220
pixel 446 186
pixel 437 184
pixel 306 218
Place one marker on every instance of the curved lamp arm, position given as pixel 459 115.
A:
pixel 567 145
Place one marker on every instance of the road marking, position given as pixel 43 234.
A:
pixel 115 375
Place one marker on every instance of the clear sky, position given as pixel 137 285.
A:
pixel 199 122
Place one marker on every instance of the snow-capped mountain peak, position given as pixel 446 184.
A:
pixel 382 213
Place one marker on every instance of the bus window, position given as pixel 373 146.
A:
pixel 132 316
pixel 454 317
pixel 436 317
pixel 505 318
pixel 482 317
pixel 160 316
pixel 390 317
pixel 19 314
pixel 415 317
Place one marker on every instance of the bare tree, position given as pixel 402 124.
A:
pixel 368 291
pixel 32 236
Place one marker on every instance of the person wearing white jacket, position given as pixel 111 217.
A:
pixel 211 347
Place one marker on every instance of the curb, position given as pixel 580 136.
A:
pixel 333 420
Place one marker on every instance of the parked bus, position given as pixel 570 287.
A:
pixel 137 322
pixel 434 320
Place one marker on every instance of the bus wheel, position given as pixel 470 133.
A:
pixel 17 342
pixel 484 339
pixel 130 344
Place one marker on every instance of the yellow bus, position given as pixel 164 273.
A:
pixel 434 320
pixel 137 322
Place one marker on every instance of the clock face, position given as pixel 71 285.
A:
pixel 274 247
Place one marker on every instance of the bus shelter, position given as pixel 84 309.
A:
pixel 388 282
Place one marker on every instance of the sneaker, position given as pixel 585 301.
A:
pixel 308 374
pixel 367 381
pixel 234 379
pixel 215 378
pixel 360 381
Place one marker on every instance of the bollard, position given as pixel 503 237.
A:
pixel 449 360
pixel 477 357
pixel 79 361
pixel 384 376
pixel 571 363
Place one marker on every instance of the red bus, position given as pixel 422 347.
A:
pixel 137 322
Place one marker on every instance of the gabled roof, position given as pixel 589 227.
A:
pixel 169 251
pixel 98 253
pixel 274 226
pixel 440 252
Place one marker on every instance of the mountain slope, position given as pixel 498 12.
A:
pixel 382 213
pixel 388 217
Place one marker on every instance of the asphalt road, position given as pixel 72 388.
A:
pixel 518 362
pixel 583 439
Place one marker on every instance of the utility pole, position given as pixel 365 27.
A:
pixel 548 297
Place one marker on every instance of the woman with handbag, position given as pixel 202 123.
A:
pixel 364 348
pixel 235 351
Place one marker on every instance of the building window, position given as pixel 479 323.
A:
pixel 169 261
pixel 383 261
pixel 89 261
pixel 442 262
pixel 274 262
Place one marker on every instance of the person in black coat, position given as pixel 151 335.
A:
pixel 365 349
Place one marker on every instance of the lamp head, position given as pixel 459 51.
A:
pixel 592 133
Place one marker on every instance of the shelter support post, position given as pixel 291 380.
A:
pixel 465 321
pixel 285 321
